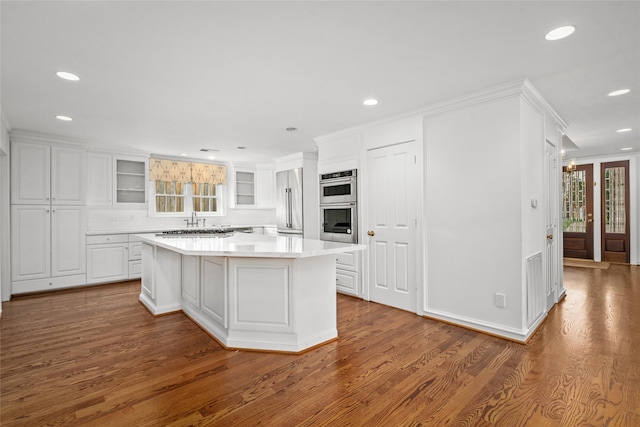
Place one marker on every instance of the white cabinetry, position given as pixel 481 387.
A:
pixel 107 258
pixel 47 247
pixel 347 268
pixel 99 179
pixel 245 188
pixel 130 180
pixel 48 219
pixel 43 173
pixel 265 188
pixel 253 186
pixel 135 257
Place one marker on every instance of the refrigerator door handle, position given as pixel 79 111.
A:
pixel 290 210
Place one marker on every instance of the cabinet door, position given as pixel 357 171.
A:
pixel 99 179
pixel 245 188
pixel 107 262
pixel 265 188
pixel 30 242
pixel 30 173
pixel 68 241
pixel 68 177
pixel 130 180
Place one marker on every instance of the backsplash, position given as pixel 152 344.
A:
pixel 102 219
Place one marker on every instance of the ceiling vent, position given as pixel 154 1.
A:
pixel 209 150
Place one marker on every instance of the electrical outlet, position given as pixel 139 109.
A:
pixel 501 300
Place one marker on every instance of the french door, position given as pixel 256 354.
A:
pixel 615 211
pixel 577 211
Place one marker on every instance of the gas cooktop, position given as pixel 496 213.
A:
pixel 204 232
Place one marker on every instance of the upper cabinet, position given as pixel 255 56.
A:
pixel 245 188
pixel 252 186
pixel 130 180
pixel 116 180
pixel 47 173
pixel 99 179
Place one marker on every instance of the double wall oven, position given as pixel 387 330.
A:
pixel 339 206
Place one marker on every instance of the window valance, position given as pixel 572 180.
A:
pixel 179 171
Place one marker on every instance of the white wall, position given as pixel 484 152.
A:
pixel 474 213
pixel 5 249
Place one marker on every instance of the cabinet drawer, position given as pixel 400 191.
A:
pixel 347 260
pixel 347 282
pixel 135 251
pixel 107 238
pixel 135 269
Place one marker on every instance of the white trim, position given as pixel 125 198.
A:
pixel 517 87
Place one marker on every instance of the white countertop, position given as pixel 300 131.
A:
pixel 250 245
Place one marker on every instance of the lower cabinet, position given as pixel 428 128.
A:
pixel 107 258
pixel 347 273
pixel 135 257
pixel 47 247
pixel 113 258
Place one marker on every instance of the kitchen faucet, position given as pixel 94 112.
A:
pixel 195 221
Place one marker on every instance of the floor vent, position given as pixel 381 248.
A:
pixel 535 288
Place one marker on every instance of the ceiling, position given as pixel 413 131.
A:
pixel 172 77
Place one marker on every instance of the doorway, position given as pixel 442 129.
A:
pixel 577 211
pixel 614 177
pixel 391 225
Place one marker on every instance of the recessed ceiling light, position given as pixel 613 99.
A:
pixel 619 92
pixel 560 33
pixel 291 129
pixel 67 76
pixel 64 118
pixel 211 157
pixel 370 102
pixel 626 149
pixel 183 154
pixel 624 130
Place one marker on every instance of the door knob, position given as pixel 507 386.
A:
pixel 549 236
pixel 589 220
pixel 371 233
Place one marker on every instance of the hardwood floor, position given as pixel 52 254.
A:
pixel 95 356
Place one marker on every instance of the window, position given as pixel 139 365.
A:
pixel 180 188
pixel 169 196
pixel 205 198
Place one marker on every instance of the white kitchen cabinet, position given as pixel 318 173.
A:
pixel 347 272
pixel 135 257
pixel 47 247
pixel 245 188
pixel 46 173
pixel 99 179
pixel 265 188
pixel 107 258
pixel 130 180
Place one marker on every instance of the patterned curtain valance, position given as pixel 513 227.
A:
pixel 177 171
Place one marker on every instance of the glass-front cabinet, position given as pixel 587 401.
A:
pixel 130 180
pixel 245 188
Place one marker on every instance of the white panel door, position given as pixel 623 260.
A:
pixel 68 240
pixel 552 250
pixel 391 225
pixel 30 242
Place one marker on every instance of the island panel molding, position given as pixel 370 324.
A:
pixel 252 292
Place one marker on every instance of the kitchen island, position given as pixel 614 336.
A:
pixel 249 291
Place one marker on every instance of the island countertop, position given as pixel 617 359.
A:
pixel 250 245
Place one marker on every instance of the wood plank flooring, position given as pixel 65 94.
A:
pixel 95 356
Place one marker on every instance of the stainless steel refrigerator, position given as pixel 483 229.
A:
pixel 289 202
